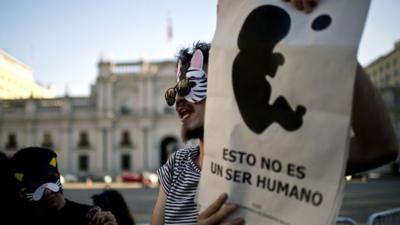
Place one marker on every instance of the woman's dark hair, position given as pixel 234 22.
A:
pixel 185 54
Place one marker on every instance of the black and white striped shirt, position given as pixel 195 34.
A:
pixel 179 178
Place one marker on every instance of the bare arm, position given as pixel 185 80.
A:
pixel 374 142
pixel 158 212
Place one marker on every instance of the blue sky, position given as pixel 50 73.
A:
pixel 62 41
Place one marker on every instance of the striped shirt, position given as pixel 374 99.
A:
pixel 179 178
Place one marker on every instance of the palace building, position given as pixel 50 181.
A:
pixel 124 125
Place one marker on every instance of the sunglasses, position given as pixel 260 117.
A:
pixel 181 88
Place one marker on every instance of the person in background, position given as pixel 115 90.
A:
pixel 38 186
pixel 112 200
pixel 9 200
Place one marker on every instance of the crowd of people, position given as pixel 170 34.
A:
pixel 32 192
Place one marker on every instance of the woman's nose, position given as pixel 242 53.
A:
pixel 47 191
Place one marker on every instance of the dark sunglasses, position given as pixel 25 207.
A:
pixel 181 88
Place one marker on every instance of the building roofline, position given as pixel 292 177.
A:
pixel 12 58
pixel 384 56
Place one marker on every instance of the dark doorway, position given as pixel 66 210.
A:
pixel 168 146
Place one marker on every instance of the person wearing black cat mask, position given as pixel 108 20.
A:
pixel 37 182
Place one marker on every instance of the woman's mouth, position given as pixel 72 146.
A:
pixel 184 113
pixel 49 197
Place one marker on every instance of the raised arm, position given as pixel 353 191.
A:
pixel 374 141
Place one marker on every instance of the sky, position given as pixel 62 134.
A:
pixel 63 41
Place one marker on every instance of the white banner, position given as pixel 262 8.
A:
pixel 277 122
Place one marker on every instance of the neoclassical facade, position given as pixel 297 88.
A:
pixel 124 125
pixel 385 70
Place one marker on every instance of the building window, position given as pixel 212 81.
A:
pixel 124 110
pixel 124 106
pixel 83 163
pixel 12 141
pixel 83 140
pixel 126 139
pixel 394 61
pixel 126 162
pixel 47 140
pixel 387 79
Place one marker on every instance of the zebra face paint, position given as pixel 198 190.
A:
pixel 192 85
